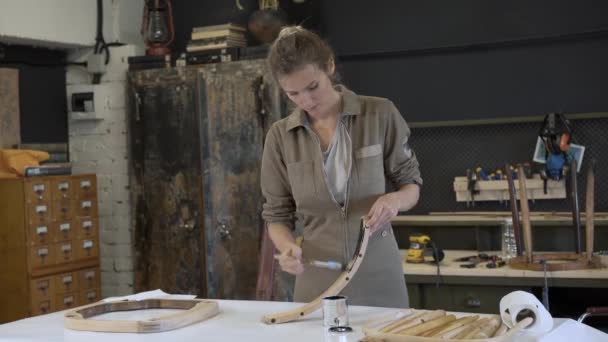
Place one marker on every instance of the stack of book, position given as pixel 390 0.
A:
pixel 216 37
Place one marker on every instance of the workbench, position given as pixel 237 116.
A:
pixel 479 289
pixel 237 321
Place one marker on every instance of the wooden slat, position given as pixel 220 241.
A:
pixel 10 129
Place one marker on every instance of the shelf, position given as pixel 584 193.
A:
pixel 491 219
pixel 498 190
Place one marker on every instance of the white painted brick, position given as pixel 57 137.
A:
pixel 121 222
pixel 116 236
pixel 114 124
pixel 123 265
pixel 106 264
pixel 106 96
pixel 118 66
pixel 117 250
pixel 120 209
pixel 117 278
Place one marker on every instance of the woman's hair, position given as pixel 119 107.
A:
pixel 294 48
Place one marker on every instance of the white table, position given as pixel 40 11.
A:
pixel 237 321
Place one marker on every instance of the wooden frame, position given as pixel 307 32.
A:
pixel 333 290
pixel 558 261
pixel 194 310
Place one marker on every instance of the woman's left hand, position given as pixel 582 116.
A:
pixel 384 209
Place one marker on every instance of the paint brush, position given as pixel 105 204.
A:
pixel 332 265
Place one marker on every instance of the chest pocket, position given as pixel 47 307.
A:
pixel 302 180
pixel 370 164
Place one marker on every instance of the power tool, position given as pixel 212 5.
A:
pixel 421 245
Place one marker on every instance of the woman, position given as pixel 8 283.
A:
pixel 328 162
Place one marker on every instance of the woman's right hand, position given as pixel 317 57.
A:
pixel 291 259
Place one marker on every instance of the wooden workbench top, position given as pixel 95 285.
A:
pixel 448 267
pixel 491 219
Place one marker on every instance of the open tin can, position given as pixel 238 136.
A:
pixel 335 311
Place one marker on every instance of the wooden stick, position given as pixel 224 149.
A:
pixel 427 316
pixel 501 330
pixel 589 210
pixel 333 290
pixel 400 322
pixel 429 325
pixel 488 330
pixel 525 213
pixel 514 212
pixel 447 335
pixel 386 320
pixel 472 329
pixel 451 326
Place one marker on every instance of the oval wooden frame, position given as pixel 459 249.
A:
pixel 194 310
pixel 333 290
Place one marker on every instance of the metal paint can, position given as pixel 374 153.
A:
pixel 335 311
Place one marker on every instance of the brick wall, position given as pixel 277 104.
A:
pixel 99 144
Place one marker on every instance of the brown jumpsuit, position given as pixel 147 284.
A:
pixel 294 185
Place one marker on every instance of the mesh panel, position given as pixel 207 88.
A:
pixel 446 152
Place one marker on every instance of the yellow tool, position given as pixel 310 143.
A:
pixel 419 244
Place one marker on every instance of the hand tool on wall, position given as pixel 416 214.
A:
pixel 576 214
pixel 481 174
pixel 514 212
pixel 525 213
pixel 589 209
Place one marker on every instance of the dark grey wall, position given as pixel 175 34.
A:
pixel 473 59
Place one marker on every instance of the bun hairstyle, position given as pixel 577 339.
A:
pixel 296 47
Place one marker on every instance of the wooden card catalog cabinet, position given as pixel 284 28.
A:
pixel 49 245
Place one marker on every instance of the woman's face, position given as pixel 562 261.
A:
pixel 310 89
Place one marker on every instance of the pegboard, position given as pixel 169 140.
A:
pixel 446 152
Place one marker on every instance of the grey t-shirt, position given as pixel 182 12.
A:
pixel 337 162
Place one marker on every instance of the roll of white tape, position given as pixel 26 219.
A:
pixel 518 305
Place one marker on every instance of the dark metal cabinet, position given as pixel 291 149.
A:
pixel 197 137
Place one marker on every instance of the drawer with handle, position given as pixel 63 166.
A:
pixel 85 187
pixel 37 191
pixel 42 256
pixel 40 234
pixel 64 252
pixel 42 307
pixel 86 208
pixel 61 188
pixel 66 282
pixel 42 288
pixel 87 248
pixel 64 230
pixel 62 209
pixel 89 278
pixel 87 227
pixel 89 296
pixel 39 213
pixel 67 300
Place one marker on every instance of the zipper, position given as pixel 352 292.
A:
pixel 343 209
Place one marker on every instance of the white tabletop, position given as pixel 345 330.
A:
pixel 237 321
